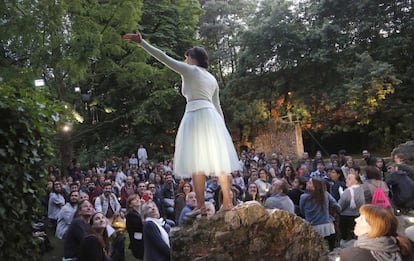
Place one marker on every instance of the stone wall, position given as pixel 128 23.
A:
pixel 281 137
pixel 248 233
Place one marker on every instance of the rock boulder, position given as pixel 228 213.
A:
pixel 248 232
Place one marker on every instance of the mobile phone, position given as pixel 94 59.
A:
pixel 145 197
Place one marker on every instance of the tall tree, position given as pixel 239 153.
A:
pixel 135 99
pixel 329 62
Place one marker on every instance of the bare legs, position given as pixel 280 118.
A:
pixel 225 183
pixel 199 181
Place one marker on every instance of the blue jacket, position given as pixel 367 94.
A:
pixel 311 211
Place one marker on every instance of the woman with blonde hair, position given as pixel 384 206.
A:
pixel 376 229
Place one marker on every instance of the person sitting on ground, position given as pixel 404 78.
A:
pixel 184 188
pixel 191 203
pixel 134 226
pixel 127 190
pixel 168 195
pixel 56 202
pixel 263 184
pixel 252 193
pixel 108 203
pixel 238 180
pixel 83 196
pixel 95 245
pixel 77 230
pixel 278 197
pixel 66 214
pixel 320 170
pixel 234 196
pixel 376 229
pixel 210 209
pixel 156 239
pixel 288 173
pixel 212 191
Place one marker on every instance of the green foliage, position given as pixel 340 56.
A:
pixel 134 99
pixel 26 130
pixel 344 64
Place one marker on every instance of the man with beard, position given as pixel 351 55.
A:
pixel 56 202
pixel 168 196
pixel 127 190
pixel 93 191
pixel 107 203
pixel 66 213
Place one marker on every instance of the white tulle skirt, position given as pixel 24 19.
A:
pixel 203 144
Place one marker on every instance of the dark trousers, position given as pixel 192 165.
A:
pixel 346 227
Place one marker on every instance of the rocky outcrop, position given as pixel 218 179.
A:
pixel 248 232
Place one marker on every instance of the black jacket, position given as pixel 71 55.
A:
pixel 135 230
pixel 155 247
pixel 402 189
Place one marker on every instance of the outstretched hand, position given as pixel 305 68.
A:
pixel 135 37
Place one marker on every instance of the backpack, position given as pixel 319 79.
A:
pixel 380 199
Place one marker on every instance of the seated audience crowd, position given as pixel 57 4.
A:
pixel 341 200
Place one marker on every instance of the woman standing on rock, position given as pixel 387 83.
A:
pixel 203 145
pixel 314 205
pixel 376 228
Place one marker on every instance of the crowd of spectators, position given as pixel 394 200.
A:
pixel 326 192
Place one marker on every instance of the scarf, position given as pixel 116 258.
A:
pixel 352 204
pixel 381 248
pixel 159 222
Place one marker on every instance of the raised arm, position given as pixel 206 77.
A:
pixel 173 64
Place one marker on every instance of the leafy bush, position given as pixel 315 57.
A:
pixel 26 127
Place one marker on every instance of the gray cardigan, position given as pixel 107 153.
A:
pixel 345 201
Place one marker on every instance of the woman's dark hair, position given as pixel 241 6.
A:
pixel 302 182
pixel 372 172
pixel 199 54
pixel 318 195
pixel 102 238
pixel 340 172
pixel 283 172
